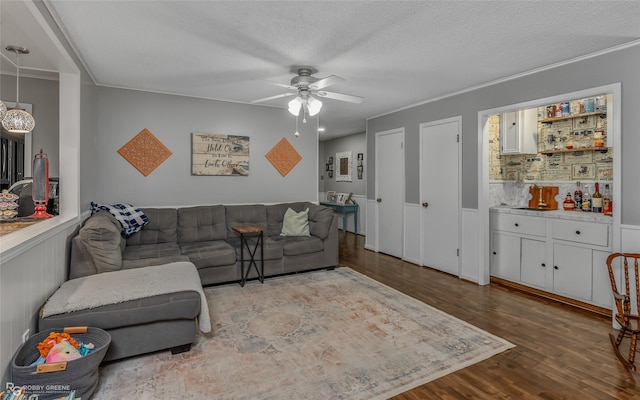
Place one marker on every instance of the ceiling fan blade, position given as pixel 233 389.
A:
pixel 273 97
pixel 341 96
pixel 282 85
pixel 328 81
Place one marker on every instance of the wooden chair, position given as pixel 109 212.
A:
pixel 627 304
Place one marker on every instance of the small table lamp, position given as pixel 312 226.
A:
pixel 40 185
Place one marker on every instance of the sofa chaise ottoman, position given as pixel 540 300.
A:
pixel 144 309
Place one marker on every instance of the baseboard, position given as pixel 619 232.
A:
pixel 552 296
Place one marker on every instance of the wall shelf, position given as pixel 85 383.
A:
pixel 554 119
pixel 600 149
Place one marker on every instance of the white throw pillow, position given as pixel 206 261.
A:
pixel 295 224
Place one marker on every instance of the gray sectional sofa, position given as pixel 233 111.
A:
pixel 202 235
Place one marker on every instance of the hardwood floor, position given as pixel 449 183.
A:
pixel 561 352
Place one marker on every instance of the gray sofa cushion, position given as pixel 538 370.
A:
pixel 102 237
pixel 213 253
pixel 179 305
pixel 148 262
pixel 161 228
pixel 255 214
pixel 275 215
pixel 320 218
pixel 202 223
pixel 272 248
pixel 296 245
pixel 158 250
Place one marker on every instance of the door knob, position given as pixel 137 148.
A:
pixel 425 204
pixel 379 200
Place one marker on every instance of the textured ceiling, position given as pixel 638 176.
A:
pixel 392 53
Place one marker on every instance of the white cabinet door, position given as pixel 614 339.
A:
pixel 602 293
pixel 505 257
pixel 509 136
pixel 572 271
pixel 533 269
pixel 519 132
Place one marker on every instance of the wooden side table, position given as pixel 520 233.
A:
pixel 245 231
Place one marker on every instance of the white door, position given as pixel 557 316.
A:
pixel 390 191
pixel 440 194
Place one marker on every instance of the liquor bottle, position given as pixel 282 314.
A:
pixel 596 200
pixel 568 203
pixel 607 203
pixel 586 199
pixel 577 196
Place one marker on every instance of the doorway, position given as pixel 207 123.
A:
pixel 390 180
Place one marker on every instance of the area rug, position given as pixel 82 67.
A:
pixel 318 335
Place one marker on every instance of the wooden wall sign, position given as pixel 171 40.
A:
pixel 219 154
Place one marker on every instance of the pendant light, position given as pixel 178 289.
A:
pixel 18 120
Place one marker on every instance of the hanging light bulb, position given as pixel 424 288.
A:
pixel 314 105
pixel 295 105
pixel 18 120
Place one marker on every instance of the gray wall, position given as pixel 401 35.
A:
pixel 356 143
pixel 122 114
pixel 619 66
pixel 42 94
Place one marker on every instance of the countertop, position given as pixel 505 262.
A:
pixel 558 214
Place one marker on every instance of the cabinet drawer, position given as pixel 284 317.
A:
pixel 582 232
pixel 522 224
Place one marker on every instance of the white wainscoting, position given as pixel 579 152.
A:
pixel 27 279
pixel 470 268
pixel 371 236
pixel 412 251
pixel 630 238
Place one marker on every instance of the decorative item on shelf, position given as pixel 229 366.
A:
pixel 18 120
pixel 331 196
pixel 41 185
pixel 8 205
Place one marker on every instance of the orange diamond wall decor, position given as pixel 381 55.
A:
pixel 283 157
pixel 145 152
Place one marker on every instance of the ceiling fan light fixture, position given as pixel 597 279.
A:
pixel 314 106
pixel 295 105
pixel 18 120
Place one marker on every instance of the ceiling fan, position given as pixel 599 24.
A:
pixel 305 87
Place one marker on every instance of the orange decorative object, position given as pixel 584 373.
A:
pixel 283 157
pixel 145 152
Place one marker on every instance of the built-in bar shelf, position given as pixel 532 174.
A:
pixel 601 149
pixel 554 119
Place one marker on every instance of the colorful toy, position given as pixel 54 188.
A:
pixel 62 351
pixel 61 347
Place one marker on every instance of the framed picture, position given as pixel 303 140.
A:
pixel 331 196
pixel 583 171
pixel 360 166
pixel 344 166
pixel 342 198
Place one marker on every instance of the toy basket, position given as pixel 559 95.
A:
pixel 53 380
